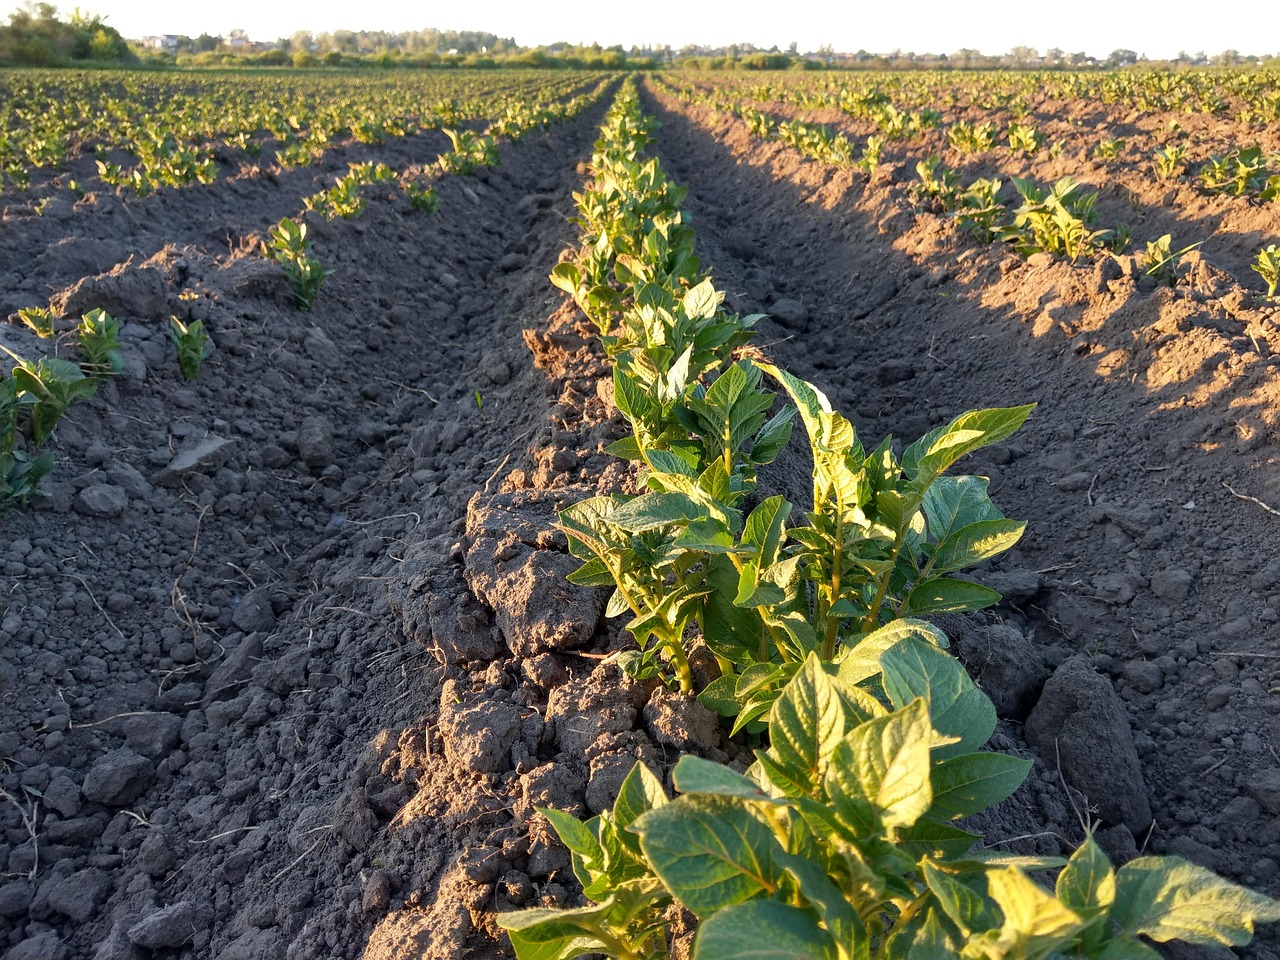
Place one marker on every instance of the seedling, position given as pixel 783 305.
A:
pixel 289 247
pixel 978 211
pixel 1170 162
pixel 48 386
pixel 99 334
pixel 1267 266
pixel 1024 138
pixel 422 197
pixel 972 138
pixel 1162 262
pixel 1056 221
pixel 20 477
pixel 39 320
pixel 192 344
pixel 1110 148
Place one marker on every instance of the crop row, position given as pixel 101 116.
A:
pixel 839 841
pixel 1059 219
pixel 149 130
pixel 1250 97
pixel 289 245
pixel 38 392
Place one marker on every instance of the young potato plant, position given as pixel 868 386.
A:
pixel 1162 262
pixel 99 334
pixel 937 186
pixel 1267 266
pixel 290 247
pixel 20 474
pixel 1023 138
pixel 838 843
pixel 1240 173
pixel 470 150
pixel 979 211
pixel 47 388
pixel 972 138
pixel 1057 221
pixel 191 342
pixel 1110 148
pixel 422 197
pixel 1170 162
pixel 39 320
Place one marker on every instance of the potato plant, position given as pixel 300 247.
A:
pixel 191 342
pixel 290 248
pixel 839 841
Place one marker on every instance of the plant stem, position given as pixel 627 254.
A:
pixel 872 618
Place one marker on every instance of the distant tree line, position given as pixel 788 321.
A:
pixel 35 36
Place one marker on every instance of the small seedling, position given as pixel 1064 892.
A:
pixel 288 247
pixel 48 386
pixel 1162 262
pixel 1109 149
pixel 192 343
pixel 422 198
pixel 1267 266
pixel 39 320
pixel 99 334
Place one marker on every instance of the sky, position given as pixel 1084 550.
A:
pixel 920 26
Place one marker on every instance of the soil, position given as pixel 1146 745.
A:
pixel 287 656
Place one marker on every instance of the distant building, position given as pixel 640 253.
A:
pixel 168 43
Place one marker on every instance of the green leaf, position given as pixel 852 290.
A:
pixel 931 941
pixel 941 841
pixel 702 301
pixel 640 792
pixel 651 511
pixel 1035 922
pixel 863 660
pixel 947 595
pixel 542 934
pixel 718 696
pixel 966 907
pixel 885 762
pixel 952 503
pixel 975 543
pixel 1087 882
pixel 763 930
pixel 773 437
pixel 693 775
pixel 710 852
pixel 573 833
pixel 913 668
pixel 807 723
pixel 764 526
pixel 628 448
pixel 1168 898
pixel 970 783
pixel 937 450
pixel 593 573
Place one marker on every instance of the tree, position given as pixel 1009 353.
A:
pixel 1122 58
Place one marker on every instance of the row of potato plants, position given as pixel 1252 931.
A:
pixel 174 125
pixel 1245 172
pixel 1246 96
pixel 37 393
pixel 288 244
pixel 1058 219
pixel 838 842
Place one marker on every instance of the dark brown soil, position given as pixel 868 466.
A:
pixel 288 657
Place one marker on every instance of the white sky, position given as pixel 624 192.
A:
pixel 933 26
